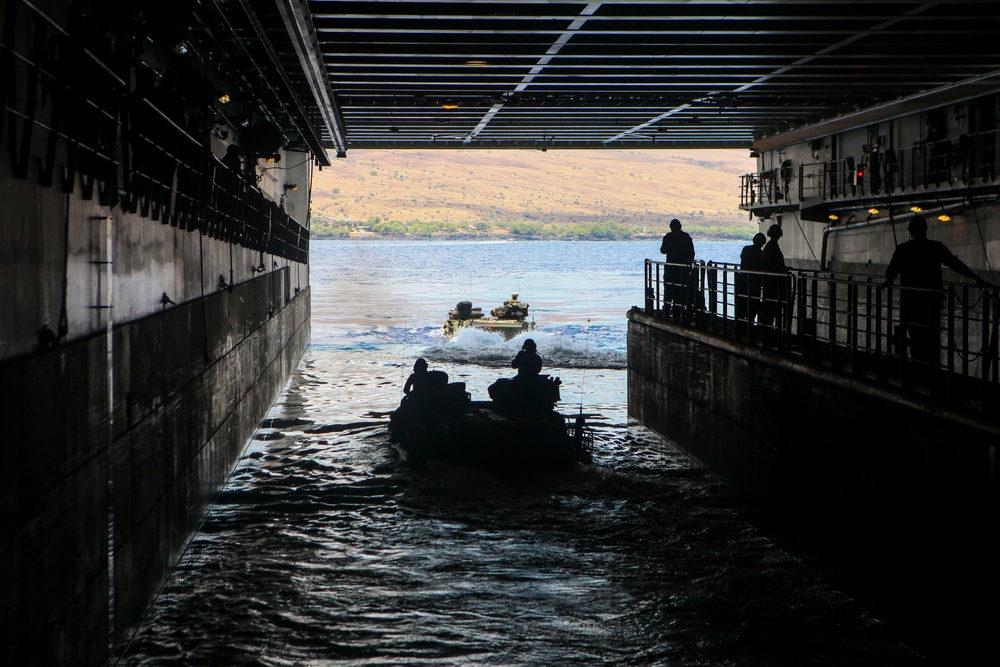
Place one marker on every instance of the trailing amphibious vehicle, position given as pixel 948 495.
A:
pixel 518 431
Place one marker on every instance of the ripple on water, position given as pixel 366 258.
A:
pixel 312 557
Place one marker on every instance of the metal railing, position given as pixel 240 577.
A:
pixel 942 343
pixel 966 161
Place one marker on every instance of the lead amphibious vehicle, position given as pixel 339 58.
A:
pixel 509 320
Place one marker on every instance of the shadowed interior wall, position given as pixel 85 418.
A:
pixel 781 432
pixel 53 507
pixel 190 385
pixel 110 469
pixel 154 304
pixel 899 487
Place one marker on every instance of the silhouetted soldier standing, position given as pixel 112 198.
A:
pixel 774 287
pixel 679 249
pixel 918 264
pixel 747 284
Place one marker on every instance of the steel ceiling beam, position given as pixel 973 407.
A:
pixel 604 73
pixel 295 15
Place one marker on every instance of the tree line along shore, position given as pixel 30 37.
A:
pixel 597 231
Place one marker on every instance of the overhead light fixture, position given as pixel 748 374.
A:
pixel 450 104
pixel 916 209
pixel 476 63
pixel 833 216
pixel 873 211
pixel 224 98
pixel 944 217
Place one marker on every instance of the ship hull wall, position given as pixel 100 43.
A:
pixel 191 385
pixel 137 357
pixel 883 481
pixel 103 502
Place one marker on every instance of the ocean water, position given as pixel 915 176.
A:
pixel 325 549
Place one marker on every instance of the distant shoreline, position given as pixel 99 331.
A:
pixel 508 237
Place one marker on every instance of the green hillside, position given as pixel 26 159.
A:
pixel 529 193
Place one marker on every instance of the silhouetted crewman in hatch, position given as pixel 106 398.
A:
pixel 423 384
pixel 527 362
pixel 417 377
pixel 529 391
pixel 918 264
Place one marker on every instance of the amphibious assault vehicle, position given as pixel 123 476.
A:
pixel 509 320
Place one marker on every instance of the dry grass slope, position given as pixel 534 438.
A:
pixel 499 191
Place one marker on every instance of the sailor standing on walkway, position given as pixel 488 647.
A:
pixel 748 284
pixel 775 287
pixel 918 264
pixel 679 249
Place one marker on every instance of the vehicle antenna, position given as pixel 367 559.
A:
pixel 531 295
pixel 586 364
pixel 402 366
